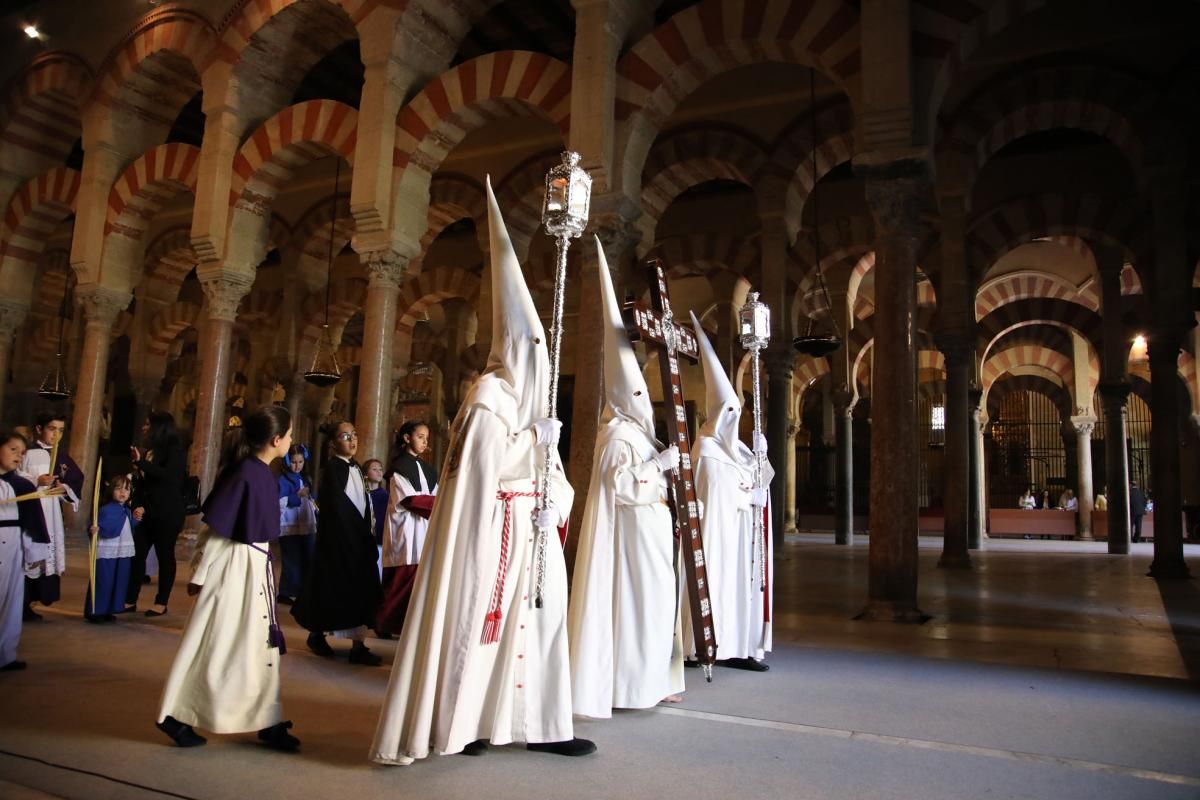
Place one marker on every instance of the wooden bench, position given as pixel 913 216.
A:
pixel 1017 523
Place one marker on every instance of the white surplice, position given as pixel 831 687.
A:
pixel 740 605
pixel 403 530
pixel 624 601
pixel 12 577
pixel 34 465
pixel 447 688
pixel 225 677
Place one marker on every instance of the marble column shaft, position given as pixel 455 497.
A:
pixel 223 295
pixel 12 316
pixel 895 202
pixel 959 357
pixel 1116 465
pixel 1086 491
pixel 843 502
pixel 1164 346
pixel 789 493
pixel 101 306
pixel 976 485
pixel 780 360
pixel 373 415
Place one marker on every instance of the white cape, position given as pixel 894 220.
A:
pixel 741 609
pixel 447 688
pixel 623 619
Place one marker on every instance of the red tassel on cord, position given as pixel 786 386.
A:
pixel 492 621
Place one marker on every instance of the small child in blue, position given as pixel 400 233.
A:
pixel 114 551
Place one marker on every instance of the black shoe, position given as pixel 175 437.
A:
pixel 689 664
pixel 146 579
pixel 130 608
pixel 277 737
pixel 182 735
pixel 575 747
pixel 109 618
pixel 384 635
pixel 29 615
pixel 316 643
pixel 285 600
pixel 95 619
pixel 152 612
pixel 13 666
pixel 359 654
pixel 749 664
pixel 478 747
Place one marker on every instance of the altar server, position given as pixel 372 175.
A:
pixel 625 596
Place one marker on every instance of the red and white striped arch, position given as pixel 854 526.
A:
pixel 148 184
pixel 178 34
pixel 430 288
pixel 296 136
pixel 1027 355
pixel 41 113
pixel 345 300
pixel 521 194
pixel 168 261
pixel 1015 286
pixel 708 253
pixel 793 156
pixel 464 98
pixel 312 235
pixel 715 36
pixel 170 322
pixel 33 213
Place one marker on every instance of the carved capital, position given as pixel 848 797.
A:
pixel 101 305
pixel 12 317
pixel 1114 393
pixel 780 362
pixel 896 205
pixel 224 294
pixel 1083 424
pixel 385 268
pixel 956 346
pixel 843 400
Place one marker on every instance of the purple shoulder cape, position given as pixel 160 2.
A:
pixel 244 505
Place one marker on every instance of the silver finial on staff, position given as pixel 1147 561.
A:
pixel 754 324
pixel 564 216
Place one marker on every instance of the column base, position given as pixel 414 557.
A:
pixel 1085 537
pixel 1172 570
pixel 888 611
pixel 1118 548
pixel 951 560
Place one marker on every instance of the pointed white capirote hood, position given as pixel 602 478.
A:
pixel 722 406
pixel 519 354
pixel 626 395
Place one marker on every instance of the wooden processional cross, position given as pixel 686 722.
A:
pixel 655 325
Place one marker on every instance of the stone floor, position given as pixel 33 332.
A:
pixel 1052 670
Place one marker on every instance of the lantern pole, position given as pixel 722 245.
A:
pixel 564 216
pixel 755 324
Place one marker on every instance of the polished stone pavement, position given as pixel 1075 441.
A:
pixel 1051 670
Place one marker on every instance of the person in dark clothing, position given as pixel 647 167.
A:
pixel 162 471
pixel 1137 508
pixel 341 593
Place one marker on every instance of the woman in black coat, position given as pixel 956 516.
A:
pixel 162 468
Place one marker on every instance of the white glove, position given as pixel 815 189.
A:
pixel 668 459
pixel 760 444
pixel 546 431
pixel 546 519
pixel 759 497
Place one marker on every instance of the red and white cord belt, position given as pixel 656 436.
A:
pixel 492 620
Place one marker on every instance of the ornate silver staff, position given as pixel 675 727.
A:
pixel 754 323
pixel 564 216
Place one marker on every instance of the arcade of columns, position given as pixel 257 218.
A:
pixel 152 237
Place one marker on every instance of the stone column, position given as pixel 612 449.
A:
pixel 843 502
pixel 1116 465
pixel 895 196
pixel 959 355
pixel 789 494
pixel 223 293
pixel 1084 425
pixel 976 486
pixel 373 415
pixel 101 305
pixel 780 360
pixel 12 317
pixel 1164 346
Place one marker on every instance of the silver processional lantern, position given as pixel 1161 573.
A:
pixel 564 216
pixel 325 370
pixel 754 330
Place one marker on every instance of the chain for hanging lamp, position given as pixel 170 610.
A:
pixel 325 370
pixel 816 344
pixel 54 385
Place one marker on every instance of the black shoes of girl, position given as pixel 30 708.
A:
pixel 478 747
pixel 277 737
pixel 575 747
pixel 13 666
pixel 359 654
pixel 181 734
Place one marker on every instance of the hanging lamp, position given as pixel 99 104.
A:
pixel 325 370
pixel 54 385
pixel 812 344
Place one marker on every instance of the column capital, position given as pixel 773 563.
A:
pixel 101 305
pixel 956 346
pixel 1114 392
pixel 612 219
pixel 843 400
pixel 12 316
pixel 780 361
pixel 385 268
pixel 224 293
pixel 1083 425
pixel 897 194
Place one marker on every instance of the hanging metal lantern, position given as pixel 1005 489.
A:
pixel 812 344
pixel 568 197
pixel 325 370
pixel 54 386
